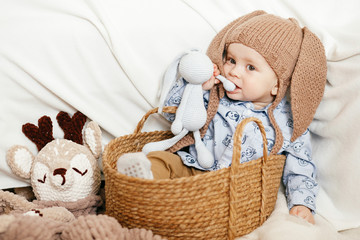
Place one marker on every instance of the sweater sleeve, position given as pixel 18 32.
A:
pixel 299 175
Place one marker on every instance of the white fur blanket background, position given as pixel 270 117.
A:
pixel 107 58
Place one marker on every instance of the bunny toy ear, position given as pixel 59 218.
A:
pixel 308 82
pixel 169 80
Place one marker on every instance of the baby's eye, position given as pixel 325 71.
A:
pixel 80 172
pixel 231 60
pixel 250 67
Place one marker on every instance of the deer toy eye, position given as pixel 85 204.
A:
pixel 79 172
pixel 81 165
pixel 42 180
pixel 40 173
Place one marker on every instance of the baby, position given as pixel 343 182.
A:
pixel 264 56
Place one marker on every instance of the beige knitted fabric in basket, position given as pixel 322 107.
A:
pixel 221 204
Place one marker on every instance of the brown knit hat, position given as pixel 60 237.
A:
pixel 295 54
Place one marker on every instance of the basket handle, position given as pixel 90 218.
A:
pixel 238 139
pixel 141 123
pixel 234 170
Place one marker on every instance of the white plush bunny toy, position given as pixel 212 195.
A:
pixel 196 68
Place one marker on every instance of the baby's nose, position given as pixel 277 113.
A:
pixel 236 72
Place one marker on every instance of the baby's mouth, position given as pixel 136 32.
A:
pixel 236 90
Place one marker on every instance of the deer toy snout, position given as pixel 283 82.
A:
pixel 61 172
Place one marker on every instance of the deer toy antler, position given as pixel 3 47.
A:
pixel 72 127
pixel 41 135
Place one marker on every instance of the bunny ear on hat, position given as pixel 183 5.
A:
pixel 216 47
pixel 308 82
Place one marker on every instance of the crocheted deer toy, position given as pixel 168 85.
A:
pixel 65 178
pixel 64 169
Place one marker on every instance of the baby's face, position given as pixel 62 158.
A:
pixel 254 78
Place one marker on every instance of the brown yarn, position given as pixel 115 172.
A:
pixel 103 227
pixel 81 207
pixel 13 202
pixel 73 126
pixel 309 80
pixel 93 227
pixel 41 135
pixel 213 205
pixel 54 222
pixel 18 226
pixel 30 227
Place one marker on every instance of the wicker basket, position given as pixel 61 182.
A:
pixel 221 204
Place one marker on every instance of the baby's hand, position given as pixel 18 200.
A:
pixel 212 81
pixel 303 212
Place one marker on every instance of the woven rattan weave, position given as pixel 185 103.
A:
pixel 221 204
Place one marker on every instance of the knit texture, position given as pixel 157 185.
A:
pixel 216 93
pixel 295 54
pixel 73 126
pixel 191 115
pixel 104 227
pixel 41 134
pixel 30 227
pixel 64 169
pixel 12 202
pixel 20 219
pixel 80 207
